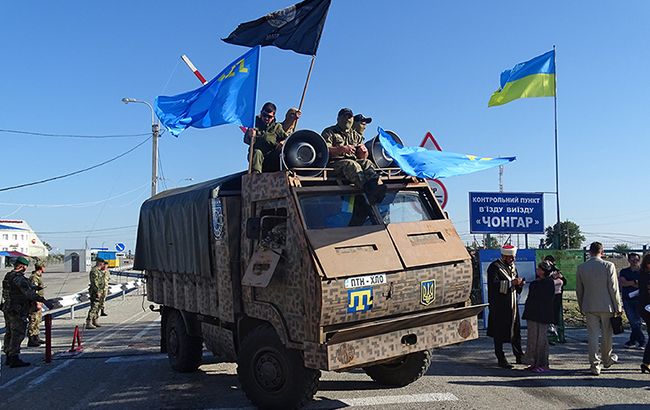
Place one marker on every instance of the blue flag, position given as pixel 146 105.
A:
pixel 423 163
pixel 229 98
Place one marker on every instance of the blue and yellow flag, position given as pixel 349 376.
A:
pixel 533 78
pixel 423 163
pixel 228 98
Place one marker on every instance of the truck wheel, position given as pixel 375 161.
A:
pixel 184 351
pixel 402 371
pixel 272 376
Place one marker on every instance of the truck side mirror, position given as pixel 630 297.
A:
pixel 253 228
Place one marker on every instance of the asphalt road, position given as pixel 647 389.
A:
pixel 121 367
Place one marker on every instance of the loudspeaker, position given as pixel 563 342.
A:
pixel 305 149
pixel 377 154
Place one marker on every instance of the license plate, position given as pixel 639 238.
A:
pixel 360 281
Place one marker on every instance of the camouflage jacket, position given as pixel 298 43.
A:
pixel 268 136
pixel 336 136
pixel 97 280
pixel 18 294
pixel 37 282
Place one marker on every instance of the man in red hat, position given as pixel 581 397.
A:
pixel 504 284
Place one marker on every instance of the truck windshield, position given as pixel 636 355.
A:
pixel 406 206
pixel 336 211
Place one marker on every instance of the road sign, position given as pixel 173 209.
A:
pixel 119 247
pixel 506 212
pixel 438 188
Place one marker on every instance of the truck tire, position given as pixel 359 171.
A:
pixel 272 376
pixel 184 351
pixel 401 372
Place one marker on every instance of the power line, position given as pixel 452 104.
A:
pixel 45 134
pixel 75 172
pixel 78 205
pixel 89 230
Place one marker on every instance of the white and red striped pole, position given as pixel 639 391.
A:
pixel 196 72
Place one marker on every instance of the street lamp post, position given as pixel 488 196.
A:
pixel 154 139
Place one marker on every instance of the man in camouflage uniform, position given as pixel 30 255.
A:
pixel 18 297
pixel 35 317
pixel 96 291
pixel 268 138
pixel 349 157
pixel 107 280
pixel 360 123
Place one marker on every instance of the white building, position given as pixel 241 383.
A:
pixel 17 236
pixel 77 260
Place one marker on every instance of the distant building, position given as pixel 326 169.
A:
pixel 77 260
pixel 17 239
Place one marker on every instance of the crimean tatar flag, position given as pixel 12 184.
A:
pixel 229 98
pixel 423 163
pixel 533 78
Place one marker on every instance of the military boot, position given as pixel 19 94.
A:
pixel 33 342
pixel 14 361
pixel 41 341
pixel 89 325
pixel 103 313
pixel 96 324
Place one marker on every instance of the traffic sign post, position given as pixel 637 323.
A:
pixel 438 188
pixel 119 247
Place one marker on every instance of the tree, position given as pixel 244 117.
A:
pixel 570 236
pixel 622 248
pixel 490 242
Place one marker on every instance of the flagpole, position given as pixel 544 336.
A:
pixel 557 172
pixel 251 148
pixel 304 90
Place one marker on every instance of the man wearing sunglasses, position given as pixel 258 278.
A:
pixel 268 138
pixel 349 157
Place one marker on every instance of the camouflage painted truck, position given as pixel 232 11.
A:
pixel 287 275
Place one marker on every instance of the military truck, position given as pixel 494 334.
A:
pixel 289 274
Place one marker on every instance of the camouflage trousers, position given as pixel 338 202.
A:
pixel 356 171
pixel 96 303
pixel 35 319
pixel 15 329
pixel 269 162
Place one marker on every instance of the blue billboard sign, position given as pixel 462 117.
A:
pixel 506 212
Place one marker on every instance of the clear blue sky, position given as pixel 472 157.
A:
pixel 413 66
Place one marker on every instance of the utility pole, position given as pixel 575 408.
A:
pixel 154 138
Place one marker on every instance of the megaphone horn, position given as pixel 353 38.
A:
pixel 377 154
pixel 305 149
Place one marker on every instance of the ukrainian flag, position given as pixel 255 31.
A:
pixel 533 78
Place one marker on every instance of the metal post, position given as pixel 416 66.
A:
pixel 154 157
pixel 123 294
pixel 557 172
pixel 72 312
pixel 48 338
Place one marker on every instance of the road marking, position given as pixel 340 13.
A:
pixel 326 403
pixel 134 358
pixel 12 381
pixel 146 329
pixel 52 371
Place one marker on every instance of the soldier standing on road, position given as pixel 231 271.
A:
pixel 107 280
pixel 268 137
pixel 35 317
pixel 97 291
pixel 349 157
pixel 360 123
pixel 504 284
pixel 18 297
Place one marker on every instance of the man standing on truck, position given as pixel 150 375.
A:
pixel 268 137
pixel 349 157
pixel 360 123
pixel 504 284
pixel 96 292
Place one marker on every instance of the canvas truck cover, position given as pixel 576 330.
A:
pixel 174 227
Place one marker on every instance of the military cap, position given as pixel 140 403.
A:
pixel 22 260
pixel 345 111
pixel 361 118
pixel 100 260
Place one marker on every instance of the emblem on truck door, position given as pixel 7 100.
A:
pixel 359 300
pixel 427 292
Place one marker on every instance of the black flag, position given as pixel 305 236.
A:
pixel 296 28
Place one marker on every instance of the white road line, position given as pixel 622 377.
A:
pixel 139 358
pixel 12 381
pixel 52 371
pixel 326 403
pixel 146 329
